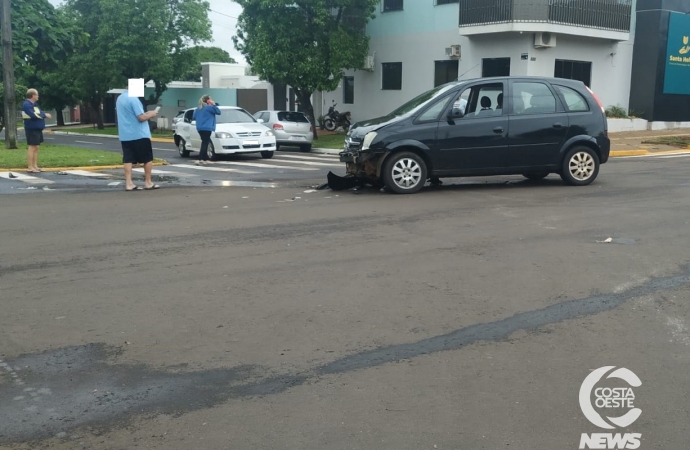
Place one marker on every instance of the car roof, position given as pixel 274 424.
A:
pixel 551 80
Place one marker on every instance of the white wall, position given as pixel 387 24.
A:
pixel 610 74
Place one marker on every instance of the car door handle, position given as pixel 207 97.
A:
pixel 558 125
pixel 498 130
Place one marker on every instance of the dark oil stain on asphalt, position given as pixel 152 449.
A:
pixel 50 393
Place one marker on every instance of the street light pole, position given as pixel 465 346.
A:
pixel 8 77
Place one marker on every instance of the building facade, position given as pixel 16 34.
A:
pixel 416 45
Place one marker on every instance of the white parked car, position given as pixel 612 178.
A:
pixel 291 128
pixel 236 132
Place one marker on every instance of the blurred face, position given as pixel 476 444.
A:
pixel 34 99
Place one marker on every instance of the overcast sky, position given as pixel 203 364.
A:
pixel 224 20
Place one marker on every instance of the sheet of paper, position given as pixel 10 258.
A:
pixel 136 87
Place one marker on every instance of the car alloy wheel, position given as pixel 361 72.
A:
pixel 405 173
pixel 580 166
pixel 182 148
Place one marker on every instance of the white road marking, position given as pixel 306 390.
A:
pixel 115 183
pixel 313 157
pixel 86 173
pixel 308 163
pixel 674 156
pixel 164 149
pixel 86 142
pixel 211 169
pixel 24 178
pixel 266 166
pixel 163 172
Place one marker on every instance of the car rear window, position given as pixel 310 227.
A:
pixel 287 116
pixel 574 101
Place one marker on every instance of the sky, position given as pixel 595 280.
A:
pixel 223 17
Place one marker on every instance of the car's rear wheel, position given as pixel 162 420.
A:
pixel 182 148
pixel 404 173
pixel 536 176
pixel 212 152
pixel 267 155
pixel 580 166
pixel 305 148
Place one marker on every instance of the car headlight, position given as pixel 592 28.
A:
pixel 368 139
pixel 270 133
pixel 224 135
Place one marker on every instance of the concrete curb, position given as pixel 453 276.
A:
pixel 71 133
pixel 60 169
pixel 619 153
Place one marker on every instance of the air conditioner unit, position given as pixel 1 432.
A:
pixel 544 40
pixel 453 51
pixel 369 63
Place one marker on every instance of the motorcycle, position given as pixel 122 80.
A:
pixel 334 119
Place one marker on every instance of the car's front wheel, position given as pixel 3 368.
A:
pixel 536 176
pixel 212 152
pixel 267 155
pixel 580 166
pixel 182 148
pixel 404 173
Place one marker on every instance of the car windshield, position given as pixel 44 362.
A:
pixel 235 116
pixel 287 116
pixel 422 99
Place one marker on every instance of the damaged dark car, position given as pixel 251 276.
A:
pixel 526 126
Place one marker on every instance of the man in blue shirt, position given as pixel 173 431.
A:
pixel 34 123
pixel 135 138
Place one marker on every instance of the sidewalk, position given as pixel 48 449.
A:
pixel 622 144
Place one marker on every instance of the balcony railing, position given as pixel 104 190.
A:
pixel 612 15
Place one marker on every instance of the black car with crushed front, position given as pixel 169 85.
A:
pixel 531 126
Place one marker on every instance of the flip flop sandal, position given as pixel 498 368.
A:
pixel 32 171
pixel 155 186
pixel 135 188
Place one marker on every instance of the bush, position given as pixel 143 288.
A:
pixel 616 112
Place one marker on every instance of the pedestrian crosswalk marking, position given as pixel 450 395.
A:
pixel 86 173
pixel 211 169
pixel 307 163
pixel 266 166
pixel 24 178
pixel 310 157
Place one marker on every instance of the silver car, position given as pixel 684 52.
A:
pixel 290 128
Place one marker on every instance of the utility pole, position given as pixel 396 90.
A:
pixel 8 77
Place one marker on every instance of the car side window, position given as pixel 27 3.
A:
pixel 434 112
pixel 532 98
pixel 574 101
pixel 483 100
pixel 188 116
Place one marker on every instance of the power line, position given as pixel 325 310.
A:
pixel 223 14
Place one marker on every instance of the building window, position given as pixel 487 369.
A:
pixel 495 67
pixel 392 76
pixel 392 5
pixel 349 90
pixel 445 72
pixel 446 2
pixel 574 70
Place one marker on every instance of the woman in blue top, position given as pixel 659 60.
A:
pixel 205 116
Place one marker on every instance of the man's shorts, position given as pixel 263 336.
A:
pixel 34 137
pixel 139 151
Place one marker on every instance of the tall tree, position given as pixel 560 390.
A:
pixel 188 62
pixel 134 39
pixel 307 44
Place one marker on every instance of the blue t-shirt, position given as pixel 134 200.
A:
pixel 128 125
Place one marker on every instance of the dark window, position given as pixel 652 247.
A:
pixel 392 5
pixel 446 2
pixel 446 71
pixel 574 102
pixel 392 76
pixel 480 101
pixel 286 116
pixel 349 90
pixel 532 98
pixel 495 67
pixel 574 70
pixel 434 112
pixel 188 116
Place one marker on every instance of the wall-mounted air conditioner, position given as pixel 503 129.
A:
pixel 544 40
pixel 369 63
pixel 453 51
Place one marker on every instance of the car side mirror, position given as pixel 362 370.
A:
pixel 193 122
pixel 455 114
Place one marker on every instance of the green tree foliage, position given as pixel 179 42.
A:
pixel 189 61
pixel 133 39
pixel 307 44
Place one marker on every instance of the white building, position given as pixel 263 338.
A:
pixel 419 44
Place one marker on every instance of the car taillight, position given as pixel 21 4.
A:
pixel 603 110
pixel 311 128
pixel 277 126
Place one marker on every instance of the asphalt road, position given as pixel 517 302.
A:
pixel 464 317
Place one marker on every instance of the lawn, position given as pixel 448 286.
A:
pixel 336 141
pixel 58 156
pixel 674 141
pixel 112 131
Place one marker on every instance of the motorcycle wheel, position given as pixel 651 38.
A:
pixel 329 125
